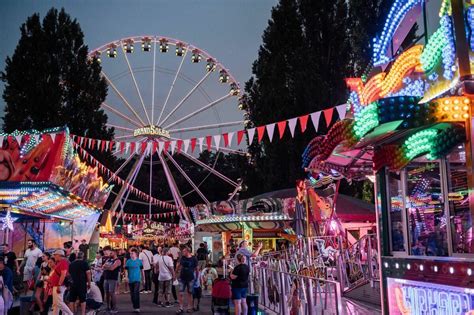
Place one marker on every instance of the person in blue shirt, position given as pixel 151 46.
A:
pixel 7 275
pixel 243 250
pixel 135 276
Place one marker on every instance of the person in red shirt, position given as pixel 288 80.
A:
pixel 57 282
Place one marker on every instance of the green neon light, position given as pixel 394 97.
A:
pixel 419 143
pixel 366 120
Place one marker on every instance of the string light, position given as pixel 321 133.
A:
pixel 8 221
pixel 366 120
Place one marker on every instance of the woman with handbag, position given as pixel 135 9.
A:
pixel 166 276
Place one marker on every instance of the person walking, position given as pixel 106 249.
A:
pixel 186 269
pixel 84 247
pixel 57 280
pixel 10 259
pixel 166 275
pixel 81 279
pixel 147 260
pixel 29 261
pixel 111 272
pixel 201 255
pixel 240 284
pixel 134 274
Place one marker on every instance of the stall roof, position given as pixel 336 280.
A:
pixel 43 199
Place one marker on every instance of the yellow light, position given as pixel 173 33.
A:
pixel 446 108
pixel 466 101
pixel 465 108
pixel 465 116
pixel 456 116
pixel 446 102
pixel 456 101
pixel 456 107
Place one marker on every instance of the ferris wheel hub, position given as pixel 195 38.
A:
pixel 152 131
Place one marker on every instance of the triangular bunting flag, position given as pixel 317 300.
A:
pixel 281 128
pixel 173 146
pixel 328 115
pixel 260 133
pixel 240 135
pixel 315 119
pixel 208 142
pixel 1 141
pixel 137 147
pixel 303 122
pixel 231 136
pixel 341 111
pixel 127 147
pixel 167 146
pixel 18 139
pixel 155 146
pixel 132 147
pixel 111 145
pixel 160 147
pixel 122 146
pixel 99 144
pixel 270 131
pixel 201 141
pixel 89 142
pixel 53 136
pixel 217 141
pixel 179 145
pixel 186 145
pixel 225 136
pixel 36 137
pixel 251 134
pixel 292 125
pixel 193 144
pixel 148 148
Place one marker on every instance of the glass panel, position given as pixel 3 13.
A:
pixel 396 207
pixel 459 207
pixel 425 209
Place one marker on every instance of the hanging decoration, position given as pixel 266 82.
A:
pixel 8 221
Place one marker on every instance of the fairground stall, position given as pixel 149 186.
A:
pixel 411 130
pixel 46 192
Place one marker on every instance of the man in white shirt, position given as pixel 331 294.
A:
pixel 94 299
pixel 29 260
pixel 164 264
pixel 174 251
pixel 147 261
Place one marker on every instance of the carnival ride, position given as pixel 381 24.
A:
pixel 153 123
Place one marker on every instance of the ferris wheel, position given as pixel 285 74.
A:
pixel 163 89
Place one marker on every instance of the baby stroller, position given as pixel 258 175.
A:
pixel 221 295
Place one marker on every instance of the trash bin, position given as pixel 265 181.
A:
pixel 252 303
pixel 25 303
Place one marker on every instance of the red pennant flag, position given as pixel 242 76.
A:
pixel 260 133
pixel 122 147
pixel 281 127
pixel 132 147
pixel 328 115
pixel 193 144
pixel 240 135
pixel 155 146
pixel 167 146
pixel 111 145
pixel 180 144
pixel 92 144
pixel 208 142
pixel 303 122
pixel 102 146
pixel 226 139
pixel 144 144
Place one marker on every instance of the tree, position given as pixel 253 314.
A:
pixel 50 82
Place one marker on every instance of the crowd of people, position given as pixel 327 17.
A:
pixel 64 281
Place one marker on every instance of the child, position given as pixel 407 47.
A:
pixel 197 290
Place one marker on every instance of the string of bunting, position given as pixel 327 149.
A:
pixel 140 194
pixel 135 217
pixel 147 147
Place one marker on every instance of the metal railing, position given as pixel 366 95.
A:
pixel 288 293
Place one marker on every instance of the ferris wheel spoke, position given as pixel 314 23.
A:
pixel 124 53
pixel 185 98
pixel 195 188
pixel 121 167
pixel 125 137
pixel 210 169
pixel 119 127
pixel 172 85
pixel 130 107
pixel 204 127
pixel 120 114
pixel 205 107
pixel 151 182
pixel 153 83
pixel 134 177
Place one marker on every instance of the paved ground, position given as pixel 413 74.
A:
pixel 147 307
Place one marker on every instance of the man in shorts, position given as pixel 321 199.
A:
pixel 186 268
pixel 111 273
pixel 81 279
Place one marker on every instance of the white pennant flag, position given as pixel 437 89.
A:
pixel 231 135
pixel 1 141
pixel 89 142
pixel 315 119
pixel 148 148
pixel 53 136
pixel 161 144
pixel 36 137
pixel 217 141
pixel 341 110
pixel 173 146
pixel 251 134
pixel 270 130
pixel 186 145
pixel 117 147
pixel 107 144
pixel 98 144
pixel 18 139
pixel 292 125
pixel 138 146
pixel 201 141
pixel 127 147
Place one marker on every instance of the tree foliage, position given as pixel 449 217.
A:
pixel 49 81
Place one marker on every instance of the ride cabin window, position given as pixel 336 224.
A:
pixel 396 207
pixel 425 209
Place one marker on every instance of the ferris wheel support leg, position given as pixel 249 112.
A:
pixel 123 189
pixel 174 189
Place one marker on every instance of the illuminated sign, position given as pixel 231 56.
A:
pixel 419 298
pixel 151 131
